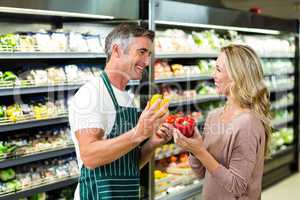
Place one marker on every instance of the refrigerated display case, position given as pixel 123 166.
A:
pixel 188 39
pixel 45 57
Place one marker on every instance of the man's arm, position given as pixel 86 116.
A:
pixel 96 151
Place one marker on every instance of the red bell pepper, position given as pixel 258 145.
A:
pixel 170 119
pixel 186 126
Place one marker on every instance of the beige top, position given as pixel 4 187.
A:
pixel 239 148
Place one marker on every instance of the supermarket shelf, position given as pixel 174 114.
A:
pixel 38 89
pixel 33 124
pixel 184 79
pixel 277 107
pixel 45 89
pixel 279 124
pixel 50 55
pixel 280 158
pixel 185 193
pixel 19 160
pixel 277 55
pixel 279 74
pixel 281 89
pixel 169 154
pixel 211 55
pixel 203 99
pixel 61 183
pixel 186 55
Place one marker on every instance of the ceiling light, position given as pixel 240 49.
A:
pixel 52 13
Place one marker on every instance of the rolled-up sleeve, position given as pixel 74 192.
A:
pixel 195 164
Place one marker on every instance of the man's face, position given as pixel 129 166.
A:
pixel 137 58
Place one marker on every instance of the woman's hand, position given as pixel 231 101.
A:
pixel 162 136
pixel 192 144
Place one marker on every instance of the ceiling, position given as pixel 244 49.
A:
pixel 287 9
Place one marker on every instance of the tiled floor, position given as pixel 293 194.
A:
pixel 286 189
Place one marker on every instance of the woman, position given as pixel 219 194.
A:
pixel 231 151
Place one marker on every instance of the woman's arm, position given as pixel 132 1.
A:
pixel 234 178
pixel 197 166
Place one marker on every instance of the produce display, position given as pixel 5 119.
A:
pixel 281 116
pixel 277 66
pixel 38 196
pixel 167 150
pixel 281 139
pixel 7 42
pixel 177 94
pixel 25 144
pixel 61 194
pixel 285 100
pixel 34 174
pixel 41 109
pixel 209 41
pixel 207 66
pixel 173 174
pixel 163 70
pixel 52 75
pixel 50 42
pixel 275 82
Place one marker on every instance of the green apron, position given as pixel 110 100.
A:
pixel 121 178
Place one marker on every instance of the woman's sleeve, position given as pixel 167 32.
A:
pixel 195 164
pixel 235 178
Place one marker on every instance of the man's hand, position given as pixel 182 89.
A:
pixel 150 121
pixel 162 136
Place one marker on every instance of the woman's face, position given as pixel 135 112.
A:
pixel 221 77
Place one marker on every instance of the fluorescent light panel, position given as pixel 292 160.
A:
pixel 52 13
pixel 233 28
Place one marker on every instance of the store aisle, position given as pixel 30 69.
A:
pixel 289 187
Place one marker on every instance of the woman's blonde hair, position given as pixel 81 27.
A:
pixel 249 89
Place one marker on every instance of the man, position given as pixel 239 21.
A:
pixel 106 130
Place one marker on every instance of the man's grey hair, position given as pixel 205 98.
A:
pixel 122 35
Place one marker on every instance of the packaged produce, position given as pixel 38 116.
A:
pixel 77 43
pixel 44 42
pixel 39 196
pixel 9 76
pixel 7 174
pixel 59 41
pixel 26 42
pixel 93 43
pixel 8 42
pixel 14 112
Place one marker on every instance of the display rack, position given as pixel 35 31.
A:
pixel 59 183
pixel 21 21
pixel 43 155
pixel 196 17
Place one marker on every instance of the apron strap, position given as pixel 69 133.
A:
pixel 109 89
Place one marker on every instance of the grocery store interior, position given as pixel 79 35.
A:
pixel 49 49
